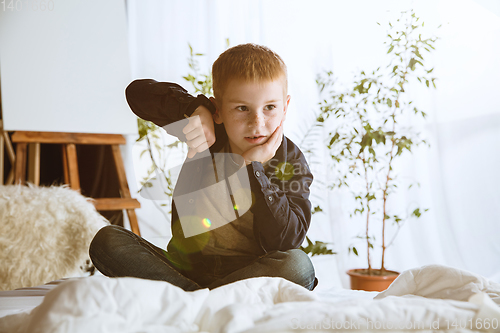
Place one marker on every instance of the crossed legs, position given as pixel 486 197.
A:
pixel 117 252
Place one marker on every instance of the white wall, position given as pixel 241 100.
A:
pixel 458 178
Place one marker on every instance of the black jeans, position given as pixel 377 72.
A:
pixel 117 252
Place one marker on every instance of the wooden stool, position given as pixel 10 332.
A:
pixel 70 163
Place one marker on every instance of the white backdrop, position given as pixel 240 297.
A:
pixel 458 174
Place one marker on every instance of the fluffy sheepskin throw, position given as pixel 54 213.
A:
pixel 45 233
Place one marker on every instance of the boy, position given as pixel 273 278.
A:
pixel 245 118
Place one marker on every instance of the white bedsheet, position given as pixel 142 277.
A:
pixel 430 298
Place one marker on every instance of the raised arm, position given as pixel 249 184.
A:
pixel 163 102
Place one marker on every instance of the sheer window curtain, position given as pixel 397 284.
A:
pixel 458 174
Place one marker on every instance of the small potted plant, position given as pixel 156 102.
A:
pixel 372 118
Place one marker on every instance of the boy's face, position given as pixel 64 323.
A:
pixel 251 112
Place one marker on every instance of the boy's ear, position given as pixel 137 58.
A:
pixel 216 115
pixel 287 102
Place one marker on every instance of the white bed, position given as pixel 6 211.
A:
pixel 427 299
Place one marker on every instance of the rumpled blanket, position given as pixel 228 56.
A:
pixel 427 299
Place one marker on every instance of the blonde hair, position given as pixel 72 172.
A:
pixel 248 62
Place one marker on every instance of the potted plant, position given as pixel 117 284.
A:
pixel 373 116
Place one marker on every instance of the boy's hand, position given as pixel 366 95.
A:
pixel 200 134
pixel 264 152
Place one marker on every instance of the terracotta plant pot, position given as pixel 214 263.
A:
pixel 360 280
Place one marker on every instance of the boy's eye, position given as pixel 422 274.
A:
pixel 270 107
pixel 242 108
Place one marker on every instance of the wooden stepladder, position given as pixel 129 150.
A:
pixel 70 164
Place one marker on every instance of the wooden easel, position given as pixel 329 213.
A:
pixel 5 143
pixel 70 164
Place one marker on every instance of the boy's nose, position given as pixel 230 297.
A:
pixel 257 119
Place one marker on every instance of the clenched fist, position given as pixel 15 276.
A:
pixel 200 133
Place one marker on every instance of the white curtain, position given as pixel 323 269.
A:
pixel 458 173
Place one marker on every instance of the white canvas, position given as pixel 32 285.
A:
pixel 65 68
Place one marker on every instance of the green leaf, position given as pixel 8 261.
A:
pixel 412 63
pixel 317 209
pixel 353 250
pixel 418 54
pixel 366 141
pixel 390 49
pixel 389 102
pixel 416 213
pixel 334 138
pixel 317 248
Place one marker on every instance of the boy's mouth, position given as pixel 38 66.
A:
pixel 255 138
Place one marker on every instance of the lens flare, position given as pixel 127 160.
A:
pixel 206 223
pixel 235 207
pixel 284 171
